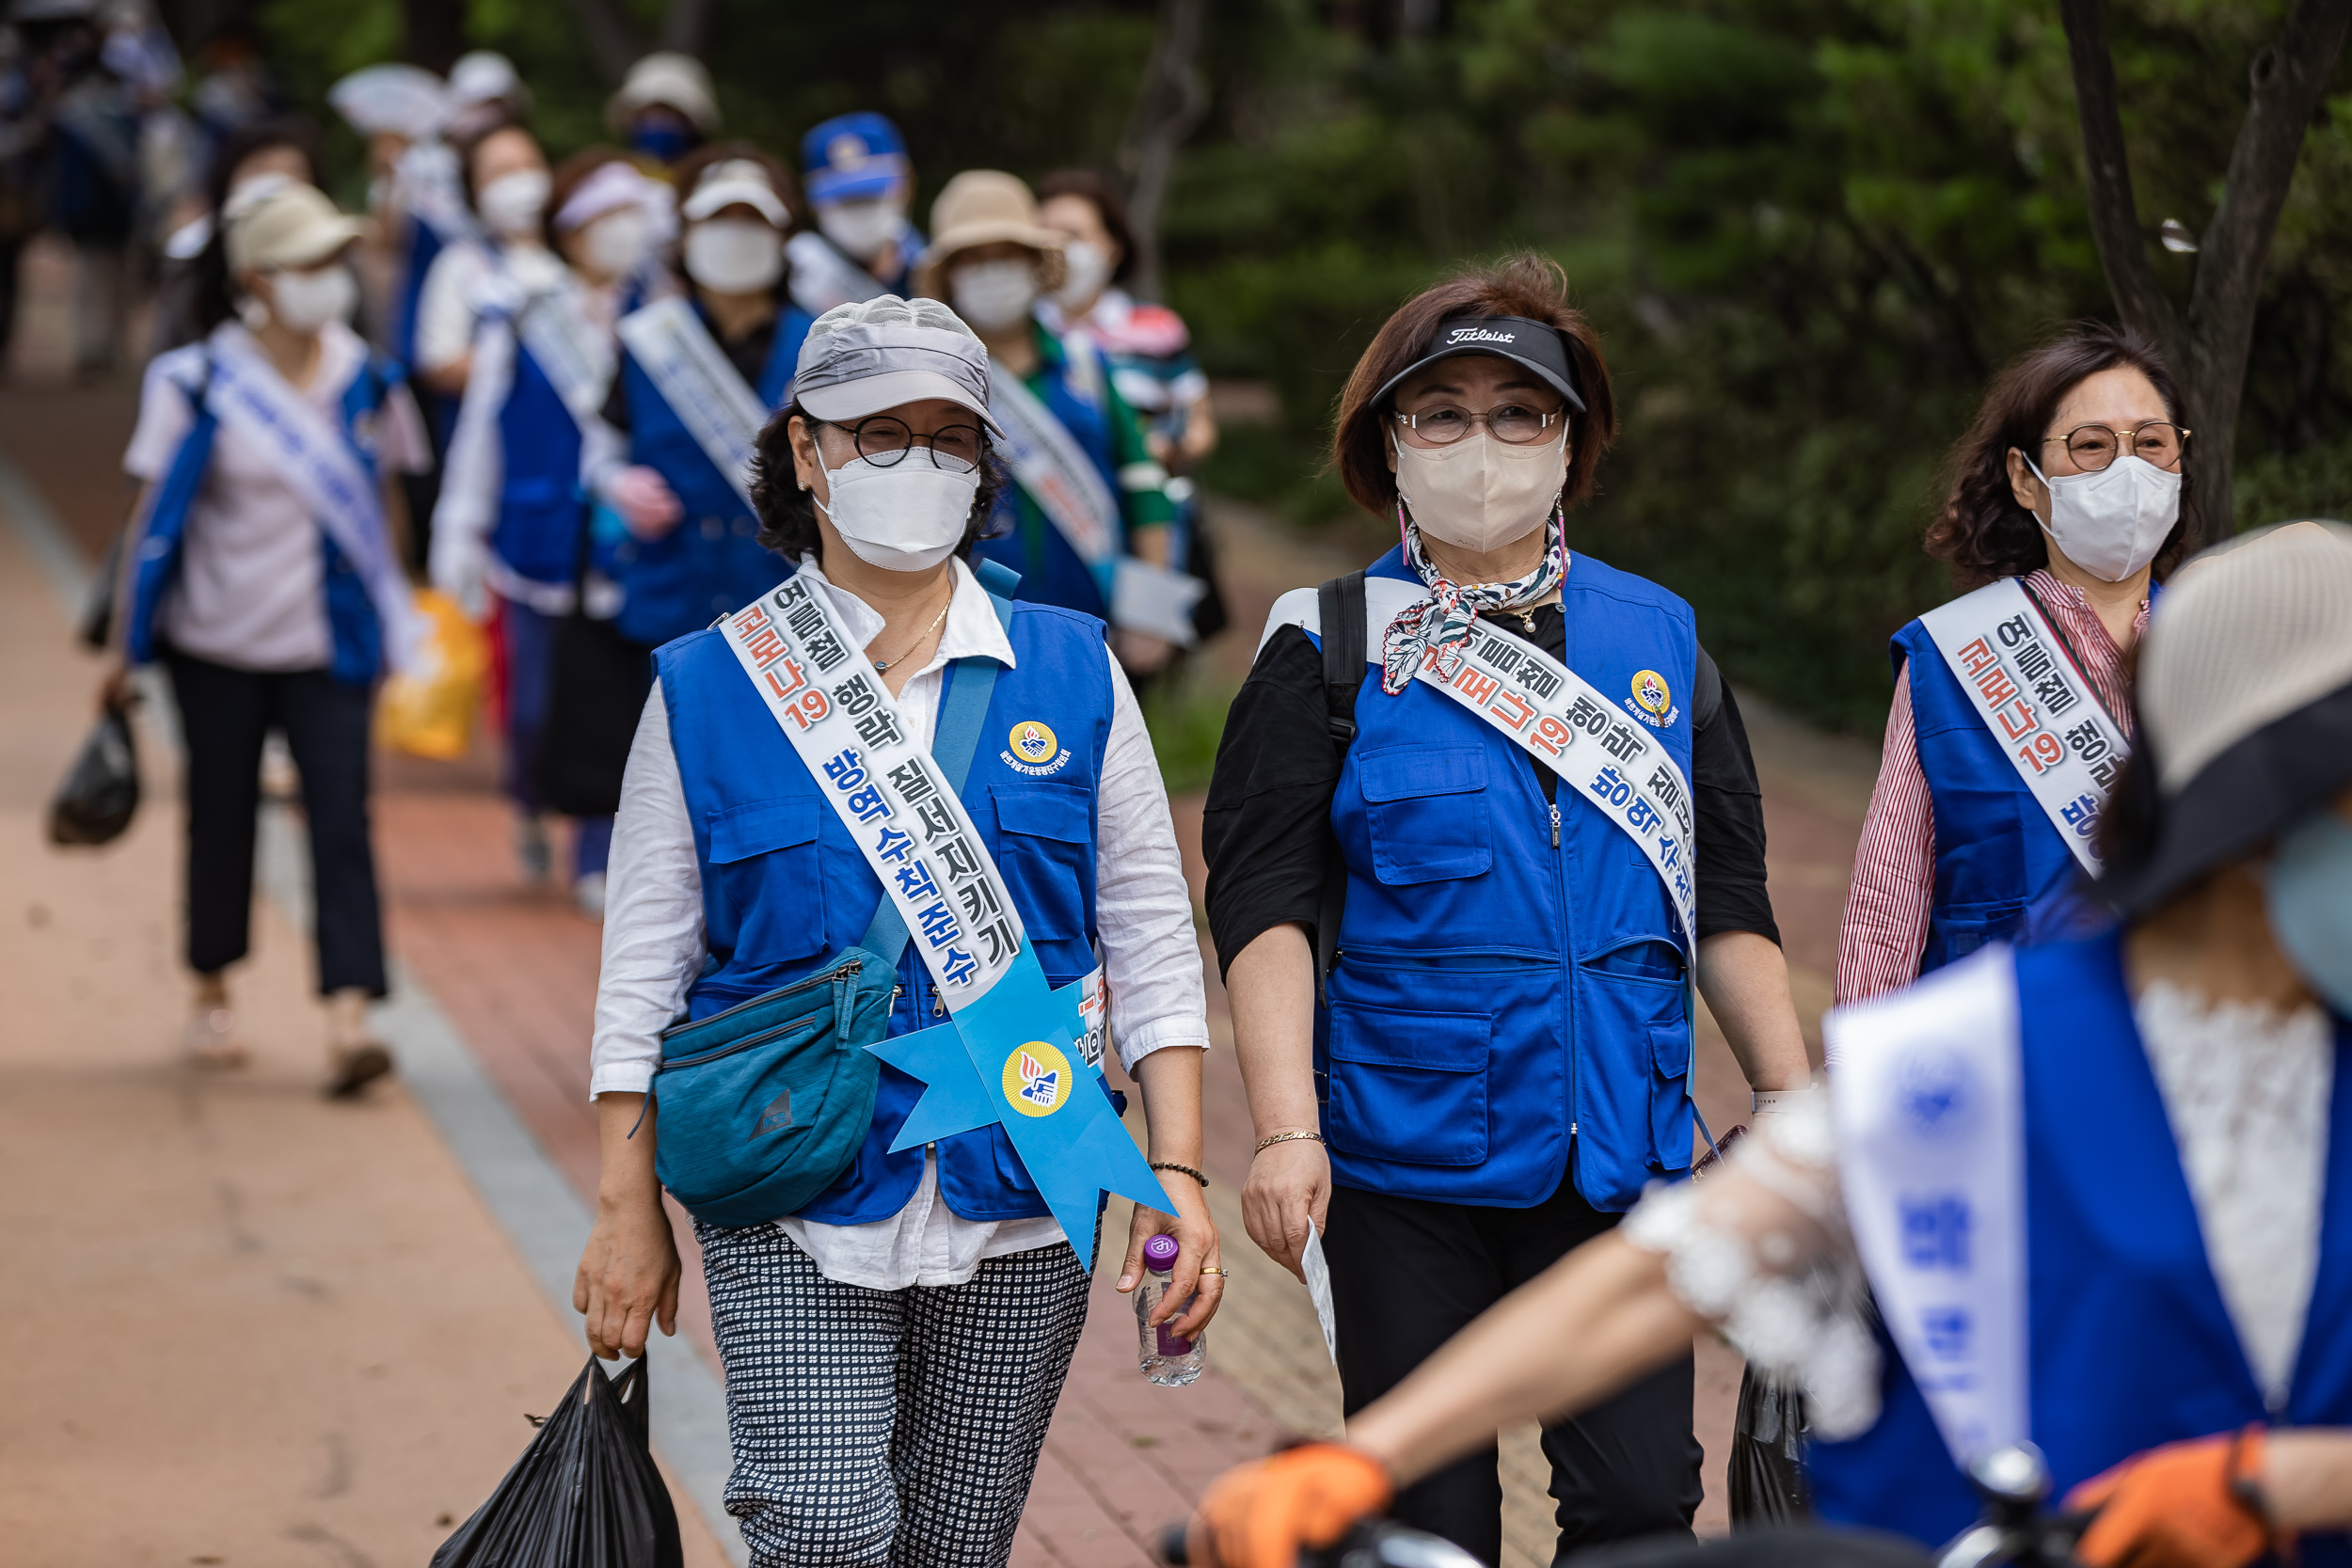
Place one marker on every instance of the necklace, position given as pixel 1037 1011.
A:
pixel 883 664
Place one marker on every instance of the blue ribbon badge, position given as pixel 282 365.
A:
pixel 1012 1058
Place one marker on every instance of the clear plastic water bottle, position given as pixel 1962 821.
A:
pixel 1167 1359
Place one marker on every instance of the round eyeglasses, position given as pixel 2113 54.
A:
pixel 2093 447
pixel 1514 423
pixel 884 439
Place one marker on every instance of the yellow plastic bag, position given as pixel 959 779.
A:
pixel 429 711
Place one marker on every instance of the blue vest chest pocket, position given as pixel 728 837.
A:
pixel 1409 1086
pixel 1045 848
pixel 765 857
pixel 1426 809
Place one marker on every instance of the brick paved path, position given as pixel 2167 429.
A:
pixel 513 968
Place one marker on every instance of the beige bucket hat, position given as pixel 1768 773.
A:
pixel 983 206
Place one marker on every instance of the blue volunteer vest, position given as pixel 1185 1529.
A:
pixel 540 509
pixel 2131 1345
pixel 355 633
pixel 785 889
pixel 1997 856
pixel 1052 572
pixel 1497 997
pixel 713 561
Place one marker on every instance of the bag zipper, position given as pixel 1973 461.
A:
pixel 836 973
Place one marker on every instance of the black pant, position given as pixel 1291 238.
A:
pixel 1407 1274
pixel 225 715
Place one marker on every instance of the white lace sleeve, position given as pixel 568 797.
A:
pixel 1759 1249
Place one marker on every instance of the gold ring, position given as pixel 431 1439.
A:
pixel 1213 1270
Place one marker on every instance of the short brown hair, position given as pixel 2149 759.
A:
pixel 1098 192
pixel 1983 533
pixel 1526 284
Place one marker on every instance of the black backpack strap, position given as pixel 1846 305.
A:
pixel 1340 606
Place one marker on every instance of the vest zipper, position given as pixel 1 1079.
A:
pixel 1555 824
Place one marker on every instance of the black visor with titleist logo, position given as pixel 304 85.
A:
pixel 1533 343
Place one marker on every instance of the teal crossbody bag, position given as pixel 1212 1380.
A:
pixel 764 1105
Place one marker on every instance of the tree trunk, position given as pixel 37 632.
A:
pixel 1168 108
pixel 2207 347
pixel 611 38
pixel 685 25
pixel 432 32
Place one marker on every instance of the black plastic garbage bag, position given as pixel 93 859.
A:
pixel 584 1495
pixel 100 792
pixel 1765 1466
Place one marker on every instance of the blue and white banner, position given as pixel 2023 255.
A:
pixel 1047 462
pixel 699 383
pixel 1015 1052
pixel 1928 1092
pixel 316 459
pixel 2038 707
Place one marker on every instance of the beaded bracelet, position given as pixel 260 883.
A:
pixel 1265 1144
pixel 1171 1165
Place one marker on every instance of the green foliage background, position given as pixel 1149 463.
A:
pixel 1808 229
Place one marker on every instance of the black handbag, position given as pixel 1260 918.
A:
pixel 597 691
pixel 100 792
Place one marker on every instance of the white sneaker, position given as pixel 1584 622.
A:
pixel 588 893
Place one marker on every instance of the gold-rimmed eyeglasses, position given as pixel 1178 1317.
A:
pixel 2093 447
pixel 1514 423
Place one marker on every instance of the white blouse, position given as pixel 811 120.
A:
pixel 654 940
pixel 1763 1250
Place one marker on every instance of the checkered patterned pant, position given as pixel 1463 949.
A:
pixel 886 1428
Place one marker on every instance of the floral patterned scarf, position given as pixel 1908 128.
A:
pixel 1443 621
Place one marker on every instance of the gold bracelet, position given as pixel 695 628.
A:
pixel 1265 1144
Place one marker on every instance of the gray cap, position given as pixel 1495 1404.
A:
pixel 878 354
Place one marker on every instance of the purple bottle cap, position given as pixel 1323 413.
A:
pixel 1159 1254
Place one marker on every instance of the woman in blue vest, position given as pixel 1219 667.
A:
pixel 1086 489
pixel 893 1347
pixel 1495 1057
pixel 687 549
pixel 2095 1194
pixel 264 577
pixel 533 370
pixel 2066 504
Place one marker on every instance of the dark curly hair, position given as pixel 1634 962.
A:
pixel 1983 533
pixel 1525 284
pixel 787 514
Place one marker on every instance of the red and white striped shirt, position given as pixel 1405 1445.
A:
pixel 1885 928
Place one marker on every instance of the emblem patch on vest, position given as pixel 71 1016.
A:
pixel 1034 748
pixel 1653 702
pixel 1037 1080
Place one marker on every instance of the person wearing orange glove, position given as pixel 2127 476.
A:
pixel 2095 1195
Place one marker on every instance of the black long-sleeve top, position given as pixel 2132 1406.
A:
pixel 1267 825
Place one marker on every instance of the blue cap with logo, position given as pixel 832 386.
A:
pixel 852 157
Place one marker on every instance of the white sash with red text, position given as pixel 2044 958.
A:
pixel 2038 706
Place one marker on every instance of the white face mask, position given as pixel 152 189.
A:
pixel 2113 522
pixel 512 204
pixel 1481 493
pixel 1090 269
pixel 735 256
pixel 860 228
pixel 907 517
pixel 306 301
pixel 616 243
pixel 994 296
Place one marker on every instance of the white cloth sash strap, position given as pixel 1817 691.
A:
pixel 1928 1093
pixel 699 383
pixel 577 363
pixel 1556 717
pixel 823 278
pixel 2037 704
pixel 314 457
pixel 912 828
pixel 1047 462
